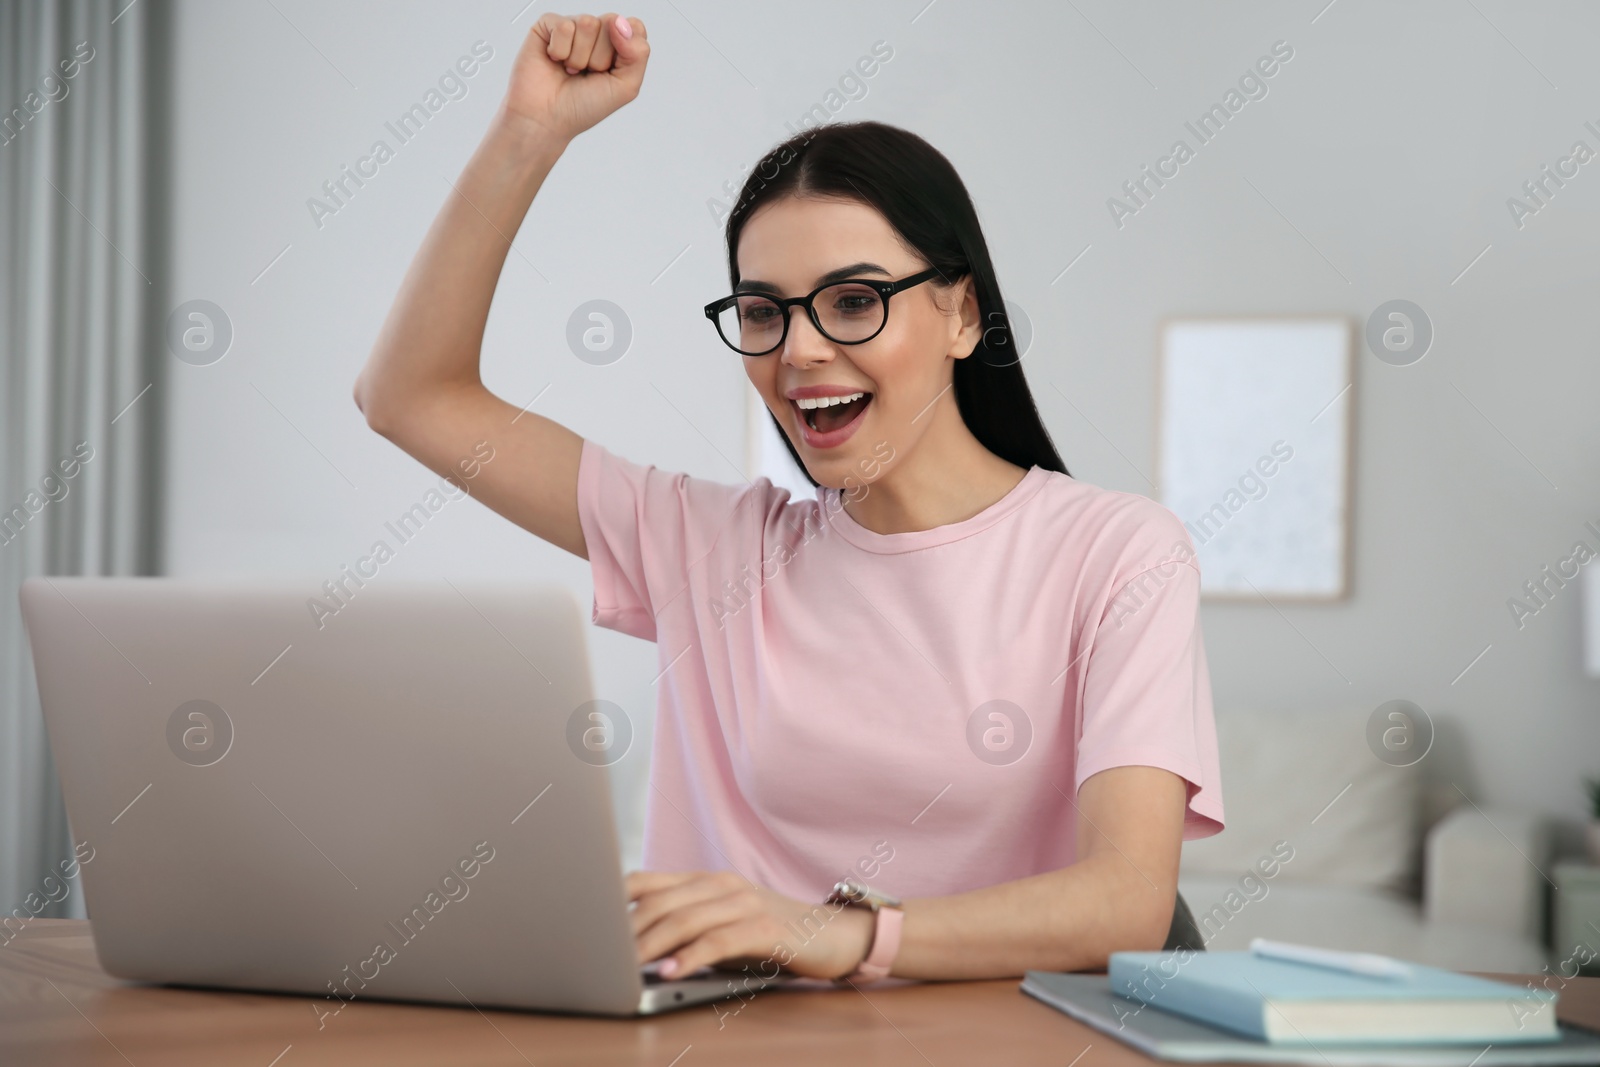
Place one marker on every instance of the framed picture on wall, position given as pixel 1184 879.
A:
pixel 1254 420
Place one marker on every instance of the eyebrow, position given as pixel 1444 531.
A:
pixel 854 270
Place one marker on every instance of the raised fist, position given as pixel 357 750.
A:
pixel 574 70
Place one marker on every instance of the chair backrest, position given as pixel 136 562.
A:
pixel 1183 933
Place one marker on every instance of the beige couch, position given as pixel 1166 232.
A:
pixel 1366 868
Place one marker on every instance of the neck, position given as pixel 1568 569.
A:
pixel 947 478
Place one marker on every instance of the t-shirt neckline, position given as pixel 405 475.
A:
pixel 910 540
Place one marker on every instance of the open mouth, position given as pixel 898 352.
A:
pixel 834 412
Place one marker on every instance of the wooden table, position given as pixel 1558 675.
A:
pixel 58 1007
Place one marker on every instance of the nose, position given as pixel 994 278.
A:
pixel 805 346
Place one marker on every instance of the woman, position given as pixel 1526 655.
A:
pixel 957 675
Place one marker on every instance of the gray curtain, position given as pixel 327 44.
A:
pixel 83 132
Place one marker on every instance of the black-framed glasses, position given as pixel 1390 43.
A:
pixel 848 313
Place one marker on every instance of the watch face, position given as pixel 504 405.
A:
pixel 851 891
pixel 848 891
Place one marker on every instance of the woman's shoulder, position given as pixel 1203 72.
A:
pixel 1125 530
pixel 703 508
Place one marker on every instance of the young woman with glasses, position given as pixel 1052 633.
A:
pixel 951 717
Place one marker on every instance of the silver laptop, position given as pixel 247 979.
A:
pixel 400 792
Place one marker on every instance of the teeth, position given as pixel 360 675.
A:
pixel 826 401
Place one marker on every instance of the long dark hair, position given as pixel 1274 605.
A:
pixel 916 189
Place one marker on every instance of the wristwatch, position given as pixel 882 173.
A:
pixel 886 933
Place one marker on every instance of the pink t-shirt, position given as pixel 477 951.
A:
pixel 831 696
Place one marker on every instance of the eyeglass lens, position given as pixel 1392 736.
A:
pixel 849 313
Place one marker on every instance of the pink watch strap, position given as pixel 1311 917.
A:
pixel 885 946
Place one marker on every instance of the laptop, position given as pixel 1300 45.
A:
pixel 372 790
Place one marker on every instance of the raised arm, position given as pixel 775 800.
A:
pixel 421 386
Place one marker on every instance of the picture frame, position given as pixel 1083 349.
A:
pixel 1254 422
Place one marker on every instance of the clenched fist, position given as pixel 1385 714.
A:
pixel 574 70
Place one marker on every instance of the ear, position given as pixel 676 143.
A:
pixel 970 329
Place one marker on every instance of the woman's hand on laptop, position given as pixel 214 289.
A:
pixel 691 919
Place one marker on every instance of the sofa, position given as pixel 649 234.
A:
pixel 1326 844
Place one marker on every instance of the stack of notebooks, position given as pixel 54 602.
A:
pixel 1294 1004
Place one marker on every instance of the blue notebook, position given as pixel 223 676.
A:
pixel 1088 999
pixel 1284 1002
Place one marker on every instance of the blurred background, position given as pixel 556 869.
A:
pixel 200 242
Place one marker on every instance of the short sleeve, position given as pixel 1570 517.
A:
pixel 644 528
pixel 1147 689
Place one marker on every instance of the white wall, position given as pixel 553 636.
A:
pixel 1378 166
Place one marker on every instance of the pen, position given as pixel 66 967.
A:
pixel 1364 963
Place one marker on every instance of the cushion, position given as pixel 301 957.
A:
pixel 1350 919
pixel 1306 785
